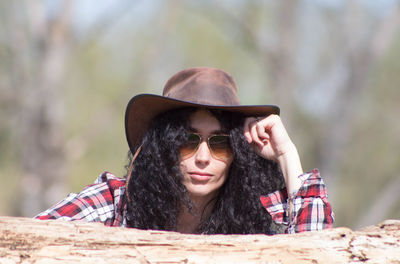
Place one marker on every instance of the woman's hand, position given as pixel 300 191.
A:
pixel 270 140
pixel 268 137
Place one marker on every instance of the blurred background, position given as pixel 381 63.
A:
pixel 68 69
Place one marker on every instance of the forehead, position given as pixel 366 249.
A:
pixel 204 122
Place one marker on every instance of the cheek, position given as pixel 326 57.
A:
pixel 228 163
pixel 182 166
pixel 185 165
pixel 224 167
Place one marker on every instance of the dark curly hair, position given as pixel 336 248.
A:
pixel 156 193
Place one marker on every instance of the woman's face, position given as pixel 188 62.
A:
pixel 203 174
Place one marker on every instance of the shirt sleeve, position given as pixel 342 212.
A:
pixel 95 203
pixel 307 210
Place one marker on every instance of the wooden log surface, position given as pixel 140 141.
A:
pixel 24 240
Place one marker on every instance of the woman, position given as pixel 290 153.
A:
pixel 203 163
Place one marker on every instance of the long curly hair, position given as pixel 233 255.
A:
pixel 156 193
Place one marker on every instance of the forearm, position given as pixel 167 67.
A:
pixel 290 165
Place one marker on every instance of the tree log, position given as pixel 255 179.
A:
pixel 24 240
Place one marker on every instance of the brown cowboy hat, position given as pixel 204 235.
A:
pixel 195 87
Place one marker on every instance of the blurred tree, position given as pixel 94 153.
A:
pixel 39 45
pixel 37 57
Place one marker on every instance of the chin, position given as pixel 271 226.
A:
pixel 203 191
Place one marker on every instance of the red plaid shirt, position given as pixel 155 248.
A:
pixel 307 210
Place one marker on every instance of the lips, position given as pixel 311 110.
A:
pixel 200 176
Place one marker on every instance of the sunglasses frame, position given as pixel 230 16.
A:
pixel 208 145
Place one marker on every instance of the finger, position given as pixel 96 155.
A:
pixel 262 134
pixel 246 128
pixel 254 133
pixel 275 126
pixel 270 121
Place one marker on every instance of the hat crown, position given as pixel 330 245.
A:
pixel 207 86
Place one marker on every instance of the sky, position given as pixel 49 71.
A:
pixel 86 12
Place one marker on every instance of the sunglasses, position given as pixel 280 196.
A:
pixel 218 145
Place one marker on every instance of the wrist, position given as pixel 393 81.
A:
pixel 286 153
pixel 289 162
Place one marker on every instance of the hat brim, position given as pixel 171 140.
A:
pixel 142 108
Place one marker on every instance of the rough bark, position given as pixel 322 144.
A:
pixel 24 240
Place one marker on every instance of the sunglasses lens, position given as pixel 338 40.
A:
pixel 220 146
pixel 190 146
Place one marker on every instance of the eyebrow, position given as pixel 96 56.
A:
pixel 192 129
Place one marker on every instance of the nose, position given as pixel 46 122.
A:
pixel 203 154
